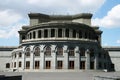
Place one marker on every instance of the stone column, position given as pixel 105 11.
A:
pixel 66 57
pixel 31 57
pixel 54 59
pixel 23 58
pixel 17 60
pixel 56 32
pixel 49 33
pixel 42 60
pixel 36 32
pixel 87 53
pixel 70 33
pixel 96 61
pixel 77 58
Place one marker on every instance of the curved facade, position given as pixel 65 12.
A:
pixel 59 43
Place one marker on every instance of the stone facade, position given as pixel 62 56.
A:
pixel 53 42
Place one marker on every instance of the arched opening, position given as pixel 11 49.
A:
pixel 59 51
pixel 71 52
pixel 52 32
pixel 34 34
pixel 82 51
pixel 48 51
pixel 39 34
pixel 27 53
pixel 67 33
pixel 37 51
pixel 45 33
pixel 74 34
pixel 7 65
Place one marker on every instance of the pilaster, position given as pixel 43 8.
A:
pixel 77 58
pixel 87 53
pixel 65 54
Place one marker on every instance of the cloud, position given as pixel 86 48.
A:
pixel 111 20
pixel 118 41
pixel 8 17
pixel 11 31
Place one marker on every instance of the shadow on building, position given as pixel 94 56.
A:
pixel 3 77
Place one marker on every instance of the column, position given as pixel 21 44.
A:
pixel 42 60
pixel 54 59
pixel 42 33
pixel 87 53
pixel 36 36
pixel 23 58
pixel 31 57
pixel 96 61
pixel 65 54
pixel 17 60
pixel 63 31
pixel 56 33
pixel 77 58
pixel 70 33
pixel 49 33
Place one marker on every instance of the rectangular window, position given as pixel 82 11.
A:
pixel 71 64
pixel 14 64
pixel 67 33
pixel 45 33
pixel 48 64
pixel 39 34
pixel 59 32
pixel 82 65
pixel 52 32
pixel 71 52
pixel 74 33
pixel 91 65
pixel 20 64
pixel 27 64
pixel 37 64
pixel 59 64
pixel 20 55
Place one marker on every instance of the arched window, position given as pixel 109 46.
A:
pixel 7 65
pixel 37 51
pixel 60 51
pixel 15 55
pixel 82 52
pixel 71 52
pixel 48 51
pixel 27 52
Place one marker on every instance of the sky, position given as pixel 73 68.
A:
pixel 14 14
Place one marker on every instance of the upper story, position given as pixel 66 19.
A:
pixel 44 27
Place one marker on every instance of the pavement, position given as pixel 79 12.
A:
pixel 61 75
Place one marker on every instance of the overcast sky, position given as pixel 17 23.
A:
pixel 13 15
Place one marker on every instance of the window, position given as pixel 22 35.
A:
pixel 7 65
pixel 59 64
pixel 14 64
pixel 27 52
pixel 91 65
pixel 67 33
pixel 48 51
pixel 85 34
pixel 82 65
pixel 20 64
pixel 59 32
pixel 15 55
pixel 23 37
pixel 48 64
pixel 30 36
pixel 74 34
pixel 71 52
pixel 45 33
pixel 37 64
pixel 100 65
pixel 52 32
pixel 20 55
pixel 34 34
pixel 82 52
pixel 37 51
pixel 80 34
pixel 27 64
pixel 60 51
pixel 91 53
pixel 71 64
pixel 39 34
